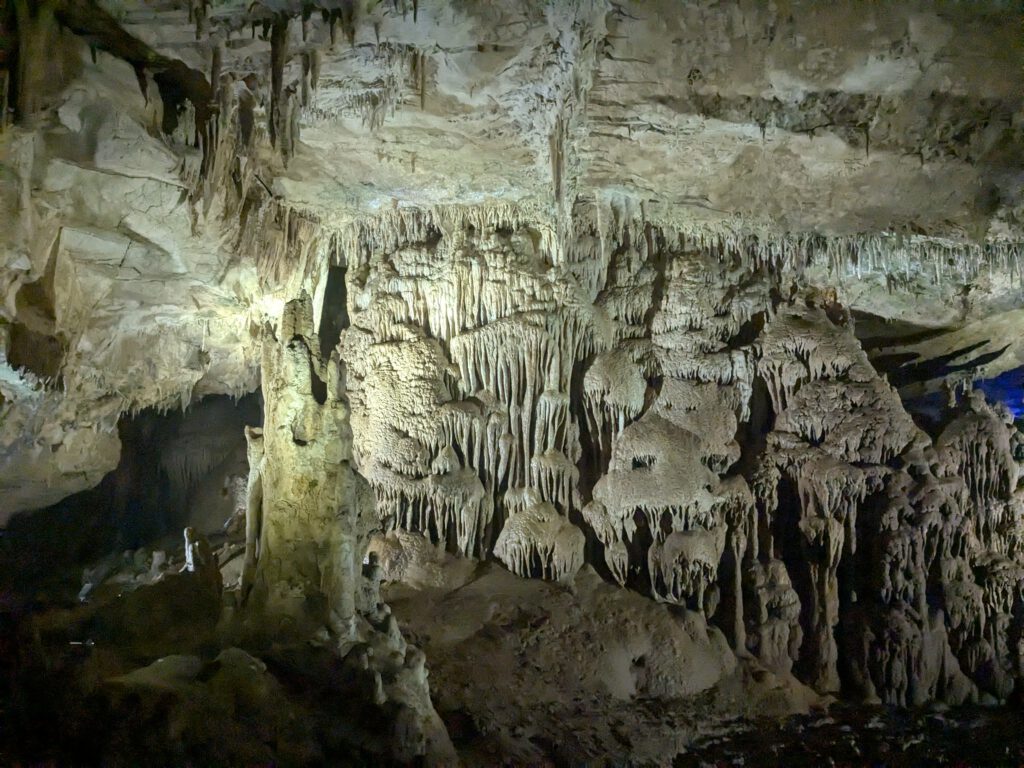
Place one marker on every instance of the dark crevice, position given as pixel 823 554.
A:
pixel 658 259
pixel 748 332
pixel 318 388
pixel 334 316
pixel 792 550
pixel 936 368
pixel 875 332
pixel 39 353
pixel 278 59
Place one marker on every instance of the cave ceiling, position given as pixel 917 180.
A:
pixel 878 146
pixel 829 118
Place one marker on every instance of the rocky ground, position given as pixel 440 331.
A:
pixel 523 672
pixel 854 736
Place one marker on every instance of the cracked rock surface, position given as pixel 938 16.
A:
pixel 660 359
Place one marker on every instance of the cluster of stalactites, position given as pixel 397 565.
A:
pixel 909 519
pixel 704 307
pixel 685 566
pixel 462 353
pixel 373 103
pixel 366 238
pixel 656 475
pixel 662 409
pixel 288 91
pixel 289 246
pixel 836 421
pixel 977 447
pixel 185 463
pixel 901 258
pixel 536 540
pixel 451 506
pixel 526 362
pixel 802 344
pixel 614 395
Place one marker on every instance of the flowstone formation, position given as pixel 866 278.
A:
pixel 893 530
pixel 628 345
pixel 834 546
pixel 307 522
pixel 460 358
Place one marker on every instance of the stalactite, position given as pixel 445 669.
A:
pixel 845 256
pixel 537 541
pixel 977 447
pixel 546 378
pixel 278 59
pixel 557 150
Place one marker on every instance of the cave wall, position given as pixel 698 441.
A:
pixel 600 409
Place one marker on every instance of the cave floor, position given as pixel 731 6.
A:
pixel 523 672
pixel 876 736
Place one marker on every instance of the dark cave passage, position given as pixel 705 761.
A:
pixel 334 318
pixel 176 469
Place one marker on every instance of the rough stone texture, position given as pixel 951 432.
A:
pixel 584 287
pixel 588 671
pixel 307 522
pixel 307 509
pixel 868 121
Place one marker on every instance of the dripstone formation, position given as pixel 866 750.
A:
pixel 572 323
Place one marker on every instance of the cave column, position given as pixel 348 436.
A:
pixel 305 532
pixel 823 544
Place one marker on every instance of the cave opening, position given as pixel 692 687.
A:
pixel 1006 388
pixel 176 470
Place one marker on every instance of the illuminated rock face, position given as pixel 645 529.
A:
pixel 537 296
pixel 844 547
pixel 307 509
pixel 308 518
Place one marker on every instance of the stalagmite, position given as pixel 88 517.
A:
pixel 311 515
pixel 773 634
pixel 253 508
pixel 314 507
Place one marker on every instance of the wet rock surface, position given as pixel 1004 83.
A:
pixel 868 736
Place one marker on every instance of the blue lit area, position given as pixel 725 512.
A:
pixel 1006 388
pixel 932 410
